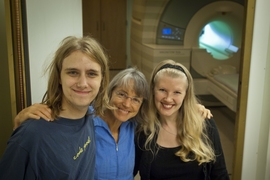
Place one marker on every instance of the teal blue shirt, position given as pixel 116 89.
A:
pixel 114 160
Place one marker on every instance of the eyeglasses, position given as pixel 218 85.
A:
pixel 124 96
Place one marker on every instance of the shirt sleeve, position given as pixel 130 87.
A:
pixel 15 164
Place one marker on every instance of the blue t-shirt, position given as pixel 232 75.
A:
pixel 114 160
pixel 62 149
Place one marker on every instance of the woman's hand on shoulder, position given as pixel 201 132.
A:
pixel 206 113
pixel 36 111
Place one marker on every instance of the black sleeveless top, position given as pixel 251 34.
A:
pixel 165 165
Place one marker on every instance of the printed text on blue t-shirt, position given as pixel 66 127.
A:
pixel 81 150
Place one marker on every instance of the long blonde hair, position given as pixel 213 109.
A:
pixel 191 127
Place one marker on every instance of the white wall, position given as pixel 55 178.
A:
pixel 266 114
pixel 48 22
pixel 256 145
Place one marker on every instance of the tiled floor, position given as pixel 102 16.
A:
pixel 224 119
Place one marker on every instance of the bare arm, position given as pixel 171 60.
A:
pixel 36 111
pixel 206 113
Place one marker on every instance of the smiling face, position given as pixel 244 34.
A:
pixel 80 79
pixel 169 94
pixel 126 101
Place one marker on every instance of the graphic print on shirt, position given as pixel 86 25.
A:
pixel 81 150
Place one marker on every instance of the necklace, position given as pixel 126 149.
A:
pixel 168 131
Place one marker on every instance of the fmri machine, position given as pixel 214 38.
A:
pixel 203 35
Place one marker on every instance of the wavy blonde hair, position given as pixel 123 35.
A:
pixel 191 126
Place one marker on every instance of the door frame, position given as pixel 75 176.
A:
pixel 18 54
pixel 243 89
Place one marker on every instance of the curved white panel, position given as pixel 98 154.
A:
pixel 229 12
pixel 226 12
